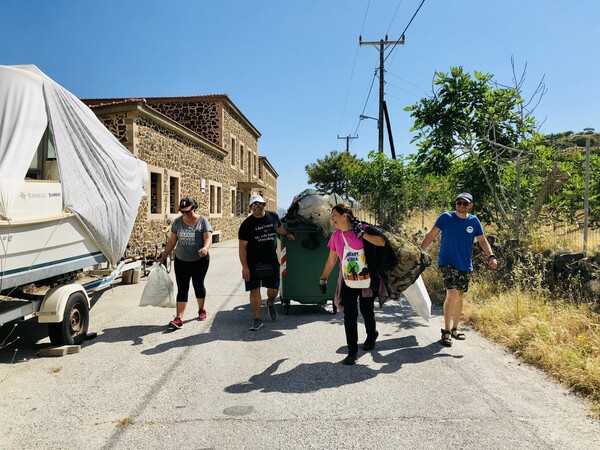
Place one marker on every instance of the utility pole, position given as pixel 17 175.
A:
pixel 383 44
pixel 347 139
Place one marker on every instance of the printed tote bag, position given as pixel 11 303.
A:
pixel 354 267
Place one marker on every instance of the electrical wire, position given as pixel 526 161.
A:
pixel 393 18
pixel 353 68
pixel 405 30
pixel 366 101
pixel 406 81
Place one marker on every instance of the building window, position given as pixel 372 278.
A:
pixel 233 200
pixel 254 167
pixel 156 192
pixel 174 183
pixel 241 157
pixel 249 163
pixel 232 151
pixel 215 199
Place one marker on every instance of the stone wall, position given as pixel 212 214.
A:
pixel 179 164
pixel 169 154
pixel 202 117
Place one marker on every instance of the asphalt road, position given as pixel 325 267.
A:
pixel 215 384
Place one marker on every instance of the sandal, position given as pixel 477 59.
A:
pixel 457 335
pixel 446 338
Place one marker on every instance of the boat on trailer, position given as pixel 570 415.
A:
pixel 42 240
pixel 69 193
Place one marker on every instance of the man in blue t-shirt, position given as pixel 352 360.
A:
pixel 459 230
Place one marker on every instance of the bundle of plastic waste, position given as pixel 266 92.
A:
pixel 314 207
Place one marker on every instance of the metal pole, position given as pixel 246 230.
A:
pixel 380 120
pixel 586 195
pixel 518 206
pixel 423 207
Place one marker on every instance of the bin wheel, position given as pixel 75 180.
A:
pixel 334 307
pixel 286 305
pixel 72 330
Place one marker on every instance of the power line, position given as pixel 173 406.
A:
pixel 393 18
pixel 366 101
pixel 405 30
pixel 353 68
pixel 406 81
pixel 403 90
pixel 382 44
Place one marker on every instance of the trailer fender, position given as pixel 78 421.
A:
pixel 55 300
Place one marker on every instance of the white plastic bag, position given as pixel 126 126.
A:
pixel 418 298
pixel 159 290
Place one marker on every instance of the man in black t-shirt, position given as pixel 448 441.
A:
pixel 258 254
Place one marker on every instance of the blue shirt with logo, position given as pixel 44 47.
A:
pixel 458 236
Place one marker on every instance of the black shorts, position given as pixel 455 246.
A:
pixel 455 279
pixel 271 282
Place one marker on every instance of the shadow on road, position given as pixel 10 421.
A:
pixel 230 325
pixel 312 377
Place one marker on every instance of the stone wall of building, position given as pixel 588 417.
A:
pixel 202 117
pixel 180 165
pixel 171 155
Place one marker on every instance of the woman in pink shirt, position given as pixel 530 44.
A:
pixel 346 243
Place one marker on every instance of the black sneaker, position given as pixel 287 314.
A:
pixel 272 312
pixel 351 359
pixel 257 324
pixel 370 342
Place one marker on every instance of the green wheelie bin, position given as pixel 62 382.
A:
pixel 302 262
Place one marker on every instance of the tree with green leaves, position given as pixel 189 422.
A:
pixel 330 174
pixel 475 128
pixel 380 183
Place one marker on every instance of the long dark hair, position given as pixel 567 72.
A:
pixel 345 208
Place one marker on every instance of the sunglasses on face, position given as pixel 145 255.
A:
pixel 462 203
pixel 255 204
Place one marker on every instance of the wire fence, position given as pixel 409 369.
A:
pixel 546 209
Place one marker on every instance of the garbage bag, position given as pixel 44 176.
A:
pixel 418 298
pixel 159 290
pixel 411 261
pixel 313 207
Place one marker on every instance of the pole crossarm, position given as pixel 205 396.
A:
pixel 347 139
pixel 383 44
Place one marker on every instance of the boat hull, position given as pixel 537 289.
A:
pixel 36 251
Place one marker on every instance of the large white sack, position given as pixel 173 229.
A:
pixel 159 290
pixel 418 298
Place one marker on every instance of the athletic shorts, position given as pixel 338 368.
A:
pixel 455 279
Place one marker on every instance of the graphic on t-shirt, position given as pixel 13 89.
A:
pixel 469 229
pixel 187 237
pixel 265 233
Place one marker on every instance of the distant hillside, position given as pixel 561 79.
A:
pixel 568 140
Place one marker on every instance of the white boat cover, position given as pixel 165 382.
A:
pixel 102 181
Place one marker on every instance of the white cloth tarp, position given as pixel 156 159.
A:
pixel 102 181
pixel 23 121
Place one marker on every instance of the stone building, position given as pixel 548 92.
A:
pixel 202 146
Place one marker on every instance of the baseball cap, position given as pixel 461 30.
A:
pixel 256 198
pixel 186 204
pixel 466 196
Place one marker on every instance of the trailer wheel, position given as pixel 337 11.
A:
pixel 73 328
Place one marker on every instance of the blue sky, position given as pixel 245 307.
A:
pixel 295 68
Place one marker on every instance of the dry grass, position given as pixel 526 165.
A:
pixel 560 338
pixel 564 235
